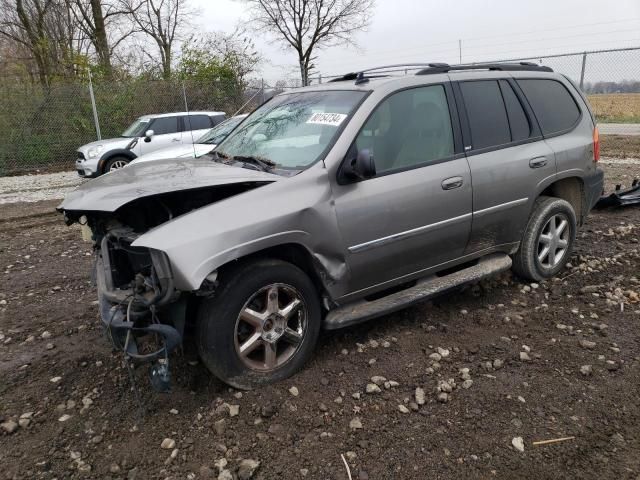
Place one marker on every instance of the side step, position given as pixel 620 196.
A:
pixel 428 287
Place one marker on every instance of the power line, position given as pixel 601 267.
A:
pixel 453 42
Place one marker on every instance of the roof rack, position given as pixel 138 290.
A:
pixel 360 76
pixel 501 67
pixel 434 68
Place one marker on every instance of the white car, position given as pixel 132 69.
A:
pixel 201 146
pixel 147 134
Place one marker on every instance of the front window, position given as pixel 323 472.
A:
pixel 292 131
pixel 218 133
pixel 137 128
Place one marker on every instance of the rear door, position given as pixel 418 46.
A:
pixel 416 212
pixel 507 156
pixel 166 133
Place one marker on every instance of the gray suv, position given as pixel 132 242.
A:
pixel 337 203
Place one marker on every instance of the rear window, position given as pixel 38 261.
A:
pixel 486 113
pixel 553 105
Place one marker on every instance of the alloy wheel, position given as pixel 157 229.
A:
pixel 553 241
pixel 118 164
pixel 270 327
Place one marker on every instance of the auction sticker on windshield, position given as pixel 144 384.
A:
pixel 334 119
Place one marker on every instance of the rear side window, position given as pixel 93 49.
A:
pixel 197 122
pixel 553 105
pixel 164 125
pixel 518 121
pixel 486 113
pixel 216 119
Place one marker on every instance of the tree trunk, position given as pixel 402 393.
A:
pixel 304 70
pixel 166 62
pixel 101 41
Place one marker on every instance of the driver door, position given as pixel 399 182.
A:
pixel 166 133
pixel 416 212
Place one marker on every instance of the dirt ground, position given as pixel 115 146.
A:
pixel 554 360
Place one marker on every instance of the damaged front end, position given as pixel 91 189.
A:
pixel 137 300
pixel 143 311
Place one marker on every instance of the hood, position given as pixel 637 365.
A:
pixel 181 151
pixel 108 143
pixel 109 192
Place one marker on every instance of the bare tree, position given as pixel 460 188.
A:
pixel 101 21
pixel 310 25
pixel 45 29
pixel 163 21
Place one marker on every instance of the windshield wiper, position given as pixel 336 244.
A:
pixel 262 164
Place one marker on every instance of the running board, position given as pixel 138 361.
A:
pixel 426 288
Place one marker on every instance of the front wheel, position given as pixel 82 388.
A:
pixel 261 326
pixel 116 163
pixel 548 240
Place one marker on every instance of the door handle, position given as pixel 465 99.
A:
pixel 451 183
pixel 538 162
pixel 175 139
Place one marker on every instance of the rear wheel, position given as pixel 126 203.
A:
pixel 548 240
pixel 116 163
pixel 261 326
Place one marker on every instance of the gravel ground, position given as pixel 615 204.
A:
pixel 37 188
pixel 460 387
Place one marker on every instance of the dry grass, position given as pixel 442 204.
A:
pixel 620 146
pixel 616 107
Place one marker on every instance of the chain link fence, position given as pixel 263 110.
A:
pixel 40 130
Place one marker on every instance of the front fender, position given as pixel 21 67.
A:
pixel 296 210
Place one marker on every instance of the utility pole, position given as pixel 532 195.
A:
pixel 93 107
pixel 460 49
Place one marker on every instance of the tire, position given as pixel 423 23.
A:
pixel 530 261
pixel 278 344
pixel 115 163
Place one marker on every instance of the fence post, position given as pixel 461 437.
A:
pixel 584 64
pixel 262 90
pixel 93 106
pixel 319 78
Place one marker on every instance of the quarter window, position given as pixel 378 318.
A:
pixel 486 113
pixel 408 129
pixel 553 105
pixel 197 122
pixel 518 121
pixel 164 125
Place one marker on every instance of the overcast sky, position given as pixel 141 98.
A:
pixel 429 30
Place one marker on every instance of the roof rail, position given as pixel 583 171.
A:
pixel 360 76
pixel 501 67
pixel 434 68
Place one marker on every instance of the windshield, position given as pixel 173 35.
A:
pixel 292 131
pixel 218 133
pixel 136 129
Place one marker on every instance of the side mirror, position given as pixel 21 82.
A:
pixel 147 135
pixel 358 166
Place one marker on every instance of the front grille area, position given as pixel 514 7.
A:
pixel 80 155
pixel 126 261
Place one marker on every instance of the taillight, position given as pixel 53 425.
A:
pixel 596 144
